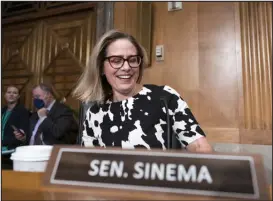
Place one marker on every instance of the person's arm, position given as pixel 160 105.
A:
pixel 24 124
pixel 23 128
pixel 55 129
pixel 187 129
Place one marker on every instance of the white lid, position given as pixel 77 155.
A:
pixel 41 148
pixel 32 152
pixel 16 158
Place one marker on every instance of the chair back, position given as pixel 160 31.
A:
pixel 83 109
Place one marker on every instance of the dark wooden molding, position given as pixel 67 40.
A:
pixel 104 12
pixel 105 20
pixel 144 26
pixel 48 12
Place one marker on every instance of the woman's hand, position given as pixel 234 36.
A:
pixel 200 145
pixel 20 135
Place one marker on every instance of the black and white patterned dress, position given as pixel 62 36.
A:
pixel 141 121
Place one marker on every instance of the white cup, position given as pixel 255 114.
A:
pixel 32 158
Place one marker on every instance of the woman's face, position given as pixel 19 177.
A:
pixel 123 80
pixel 12 95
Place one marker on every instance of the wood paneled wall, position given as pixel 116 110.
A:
pixel 53 50
pixel 256 24
pixel 204 62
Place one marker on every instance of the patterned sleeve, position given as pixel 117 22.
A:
pixel 184 124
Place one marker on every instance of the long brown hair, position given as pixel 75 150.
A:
pixel 92 85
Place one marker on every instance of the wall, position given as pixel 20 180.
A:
pixel 256 71
pixel 203 62
pixel 53 49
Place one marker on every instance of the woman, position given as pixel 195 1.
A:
pixel 15 120
pixel 126 113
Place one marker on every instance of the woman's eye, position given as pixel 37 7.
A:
pixel 116 60
pixel 133 60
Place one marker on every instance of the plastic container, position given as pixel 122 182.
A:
pixel 32 158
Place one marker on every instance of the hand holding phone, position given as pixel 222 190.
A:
pixel 19 134
pixel 15 129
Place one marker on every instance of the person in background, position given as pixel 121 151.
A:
pixel 126 113
pixel 15 120
pixel 53 123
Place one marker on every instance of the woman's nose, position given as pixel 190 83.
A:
pixel 126 66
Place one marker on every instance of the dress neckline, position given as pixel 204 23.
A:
pixel 132 97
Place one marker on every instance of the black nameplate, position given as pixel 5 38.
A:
pixel 171 172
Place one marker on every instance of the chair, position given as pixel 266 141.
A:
pixel 83 108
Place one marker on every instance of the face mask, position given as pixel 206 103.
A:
pixel 38 103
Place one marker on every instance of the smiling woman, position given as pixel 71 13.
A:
pixel 109 60
pixel 128 114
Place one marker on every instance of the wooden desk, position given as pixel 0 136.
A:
pixel 28 186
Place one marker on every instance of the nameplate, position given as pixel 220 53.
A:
pixel 219 175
